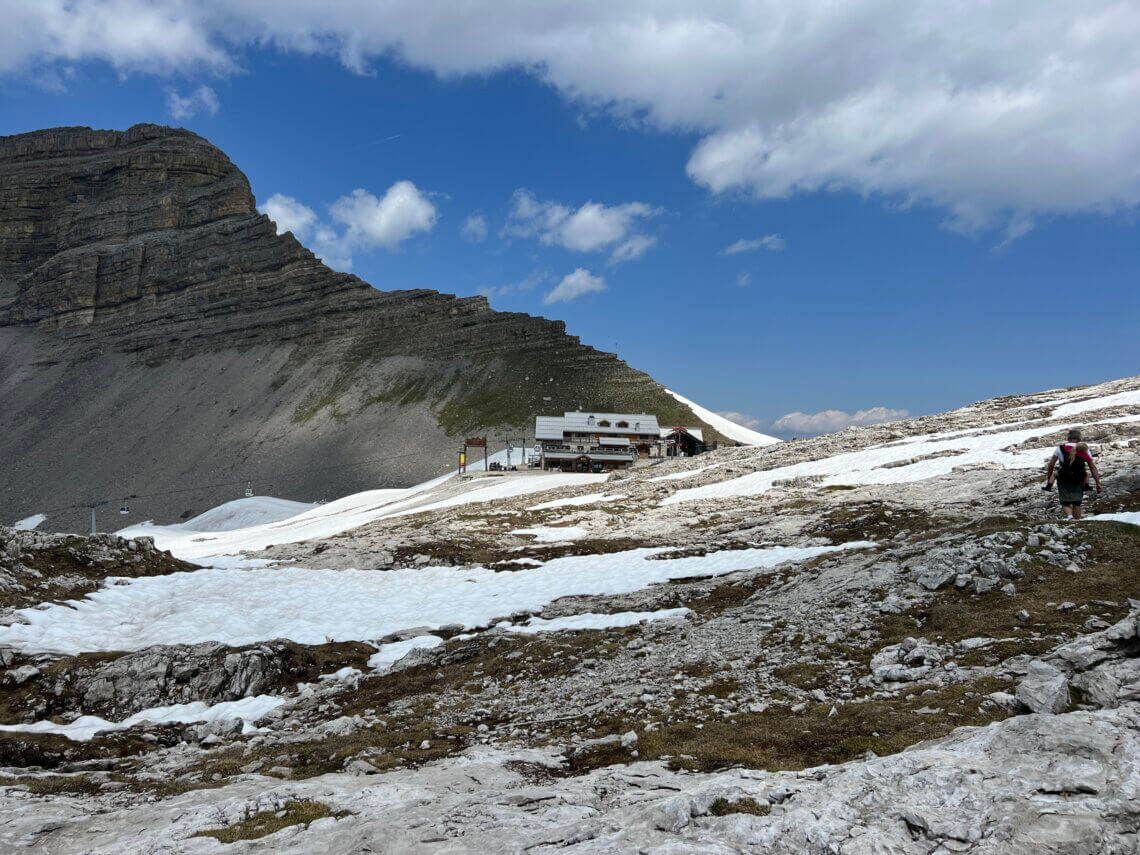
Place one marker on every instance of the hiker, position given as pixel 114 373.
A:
pixel 1069 460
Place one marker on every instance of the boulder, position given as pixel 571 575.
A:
pixel 1044 689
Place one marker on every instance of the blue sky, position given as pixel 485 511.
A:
pixel 880 268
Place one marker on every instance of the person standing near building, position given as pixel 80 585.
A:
pixel 1070 460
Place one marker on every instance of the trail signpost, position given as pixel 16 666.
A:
pixel 472 442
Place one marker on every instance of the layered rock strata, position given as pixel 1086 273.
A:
pixel 156 333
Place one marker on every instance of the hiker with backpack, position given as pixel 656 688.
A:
pixel 1070 460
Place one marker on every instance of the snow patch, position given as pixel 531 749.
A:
pixel 1132 517
pixel 85 727
pixel 390 654
pixel 590 620
pixel 729 429
pixel 578 501
pixel 688 473
pixel 1120 399
pixel 553 534
pixel 866 466
pixel 29 523
pixel 238 607
pixel 244 513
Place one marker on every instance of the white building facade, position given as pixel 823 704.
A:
pixel 594 442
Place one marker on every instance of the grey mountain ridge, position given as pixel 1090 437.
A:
pixel 158 335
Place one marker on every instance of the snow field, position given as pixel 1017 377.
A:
pixel 866 466
pixel 320 521
pixel 29 523
pixel 730 429
pixel 83 728
pixel 245 513
pixel 244 606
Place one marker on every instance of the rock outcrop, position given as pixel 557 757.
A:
pixel 156 333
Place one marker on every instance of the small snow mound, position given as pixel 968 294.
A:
pixel 729 429
pixel 243 513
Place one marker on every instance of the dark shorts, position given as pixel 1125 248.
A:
pixel 1070 494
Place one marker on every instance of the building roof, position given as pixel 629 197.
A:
pixel 696 433
pixel 553 427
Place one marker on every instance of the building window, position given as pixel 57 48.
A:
pixel 604 423
pixel 623 424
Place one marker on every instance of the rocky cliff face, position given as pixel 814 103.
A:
pixel 156 333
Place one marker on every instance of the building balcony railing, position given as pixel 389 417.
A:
pixel 566 452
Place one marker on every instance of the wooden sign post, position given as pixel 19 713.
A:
pixel 473 442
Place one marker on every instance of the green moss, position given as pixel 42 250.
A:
pixel 777 739
pixel 267 822
pixel 723 807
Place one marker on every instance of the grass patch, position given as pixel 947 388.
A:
pixel 1111 574
pixel 729 595
pixel 268 822
pixel 723 807
pixel 873 520
pixel 807 675
pixel 52 785
pixel 403 393
pixel 779 740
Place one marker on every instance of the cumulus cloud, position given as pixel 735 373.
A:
pixel 828 421
pixel 750 422
pixel 290 215
pixel 772 243
pixel 389 221
pixel 201 100
pixel 366 221
pixel 528 283
pixel 574 285
pixel 995 113
pixel 632 248
pixel 474 229
pixel 589 228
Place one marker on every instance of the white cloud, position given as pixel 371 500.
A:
pixel 632 248
pixel 743 280
pixel 574 285
pixel 386 222
pixel 366 221
pixel 290 215
pixel 772 243
pixel 993 112
pixel 201 100
pixel 590 228
pixel 528 283
pixel 829 421
pixel 474 229
pixel 750 422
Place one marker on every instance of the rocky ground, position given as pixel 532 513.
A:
pixel 968 682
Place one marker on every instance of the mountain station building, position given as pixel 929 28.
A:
pixel 682 441
pixel 594 442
